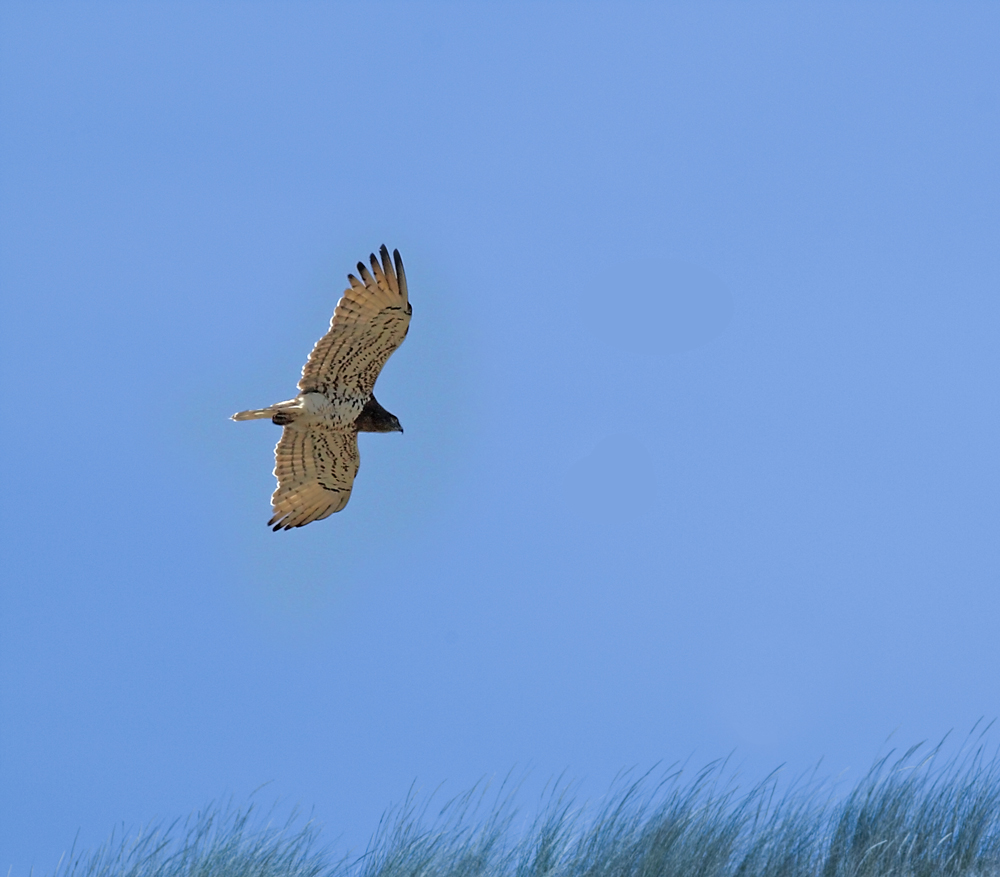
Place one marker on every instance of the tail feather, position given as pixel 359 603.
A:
pixel 281 413
pixel 254 414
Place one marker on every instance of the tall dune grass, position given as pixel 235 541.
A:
pixel 910 816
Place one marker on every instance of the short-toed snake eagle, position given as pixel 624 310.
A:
pixel 317 456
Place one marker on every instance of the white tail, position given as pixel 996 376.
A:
pixel 254 414
pixel 280 412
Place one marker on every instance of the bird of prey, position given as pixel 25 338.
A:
pixel 317 457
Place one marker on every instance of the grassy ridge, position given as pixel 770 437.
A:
pixel 922 816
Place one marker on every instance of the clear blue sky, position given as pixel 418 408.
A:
pixel 700 397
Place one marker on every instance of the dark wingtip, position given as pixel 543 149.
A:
pixel 398 260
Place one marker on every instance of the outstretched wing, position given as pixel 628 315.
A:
pixel 370 322
pixel 315 467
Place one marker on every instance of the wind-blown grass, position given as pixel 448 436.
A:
pixel 911 817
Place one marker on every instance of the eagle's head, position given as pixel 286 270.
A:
pixel 374 418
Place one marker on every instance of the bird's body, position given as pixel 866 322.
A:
pixel 338 411
pixel 317 456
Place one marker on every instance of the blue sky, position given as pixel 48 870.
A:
pixel 699 397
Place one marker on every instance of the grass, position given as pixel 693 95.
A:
pixel 914 815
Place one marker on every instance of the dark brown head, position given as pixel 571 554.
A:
pixel 374 418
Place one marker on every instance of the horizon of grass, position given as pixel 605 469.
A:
pixel 924 816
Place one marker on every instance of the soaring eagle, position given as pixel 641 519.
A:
pixel 317 456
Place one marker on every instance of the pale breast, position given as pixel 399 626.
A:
pixel 338 410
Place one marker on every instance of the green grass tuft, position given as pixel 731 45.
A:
pixel 909 817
